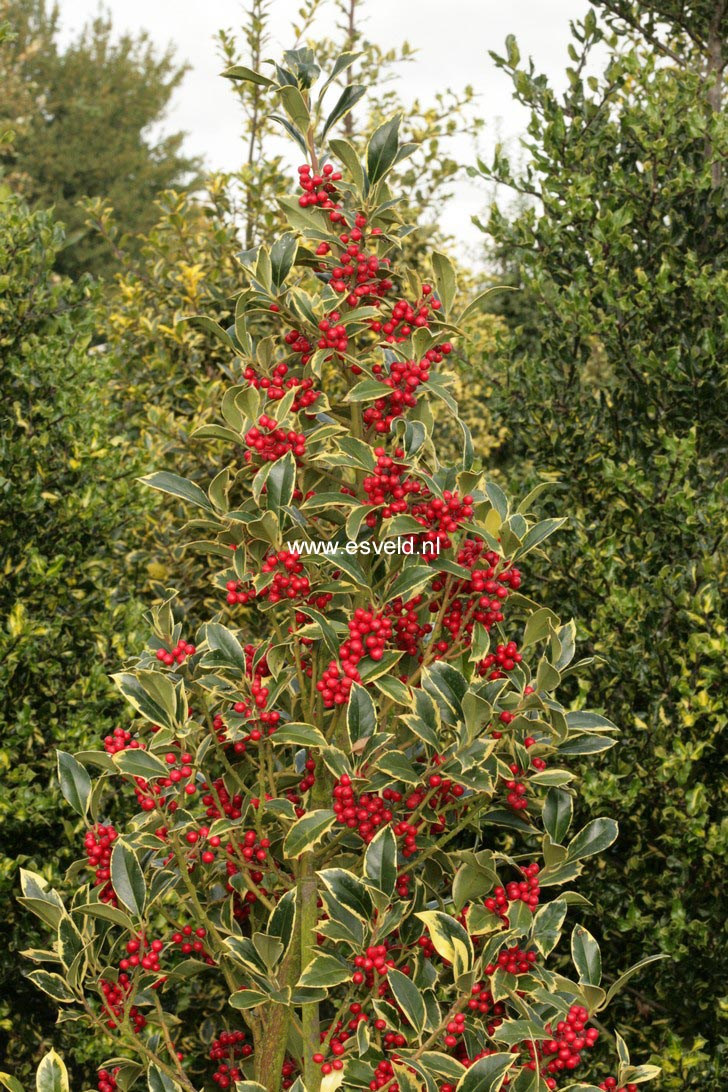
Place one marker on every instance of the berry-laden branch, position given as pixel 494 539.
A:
pixel 316 852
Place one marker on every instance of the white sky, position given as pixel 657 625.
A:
pixel 452 38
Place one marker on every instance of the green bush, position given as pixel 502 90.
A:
pixel 67 597
pixel 612 381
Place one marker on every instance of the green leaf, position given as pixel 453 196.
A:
pixel 349 158
pixel 588 722
pixel 41 899
pixel 307 831
pixel 624 978
pixel 595 837
pixel 248 999
pixel 203 322
pixel 409 581
pixel 539 533
pixel 380 860
pixel 409 999
pixel 281 482
pixel 399 767
pixel 547 924
pixel 382 149
pixel 282 919
pixel 367 390
pixel 361 714
pixel 474 306
pixel 282 258
pixel 445 280
pixel 498 499
pixel 138 763
pixel 325 970
pixel 105 912
pixel 299 735
pixel 11 1083
pixel 450 940
pixel 348 891
pixel 487 1074
pixel 586 955
pixel 53 985
pixel 448 687
pixel 292 132
pixel 347 101
pixel 155 696
pixel 127 878
pixel 223 641
pixel 51 1074
pixel 240 72
pixel 557 813
pixel 176 486
pixel 75 782
pixel 586 745
pixel 295 106
pixel 157 1081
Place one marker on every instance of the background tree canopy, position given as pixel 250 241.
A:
pixel 87 124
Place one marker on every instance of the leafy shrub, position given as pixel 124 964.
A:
pixel 319 857
pixel 613 384
pixel 67 597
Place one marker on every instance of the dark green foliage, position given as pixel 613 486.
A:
pixel 621 395
pixel 67 502
pixel 82 116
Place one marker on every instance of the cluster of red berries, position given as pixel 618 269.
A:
pixel 309 778
pixel 513 960
pixel 280 382
pixel 141 952
pixel 454 1030
pixel 516 789
pixel 288 581
pixel 114 1003
pixel 526 890
pixel 445 794
pixel 365 813
pixel 409 632
pixel 478 599
pixel 569 1039
pixel 318 189
pixel 177 655
pixel 226 1050
pixel 218 797
pixel 287 584
pixel 404 319
pixel 333 334
pixel 368 636
pixel 337 1037
pixel 404 377
pixel 384 1076
pixel 121 740
pixel 98 843
pixel 289 1070
pixel 374 961
pixel 504 659
pixel 107 1079
pixel 355 273
pixel 611 1085
pixel 190 939
pixel 389 485
pixel 481 1002
pixel 269 441
pixel 441 517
